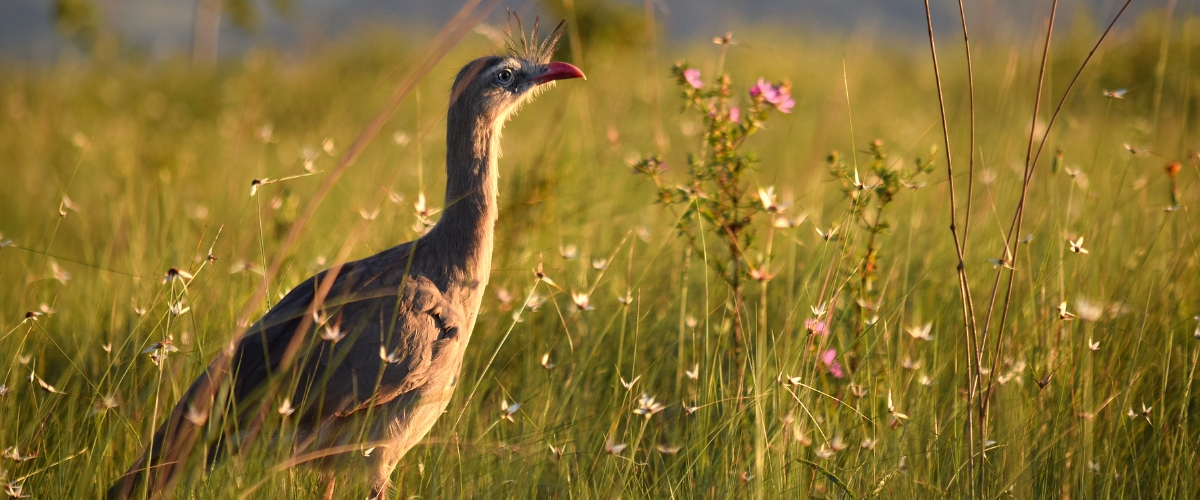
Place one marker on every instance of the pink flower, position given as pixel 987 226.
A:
pixel 786 103
pixel 735 115
pixel 692 75
pixel 764 90
pixel 779 96
pixel 815 326
pixel 830 360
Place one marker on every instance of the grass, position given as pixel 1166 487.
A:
pixel 157 160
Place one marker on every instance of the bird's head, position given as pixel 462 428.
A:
pixel 492 87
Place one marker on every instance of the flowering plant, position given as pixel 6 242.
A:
pixel 715 192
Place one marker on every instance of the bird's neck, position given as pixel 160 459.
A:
pixel 465 231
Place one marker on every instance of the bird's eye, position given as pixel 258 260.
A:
pixel 504 77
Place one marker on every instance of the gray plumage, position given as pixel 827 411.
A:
pixel 404 316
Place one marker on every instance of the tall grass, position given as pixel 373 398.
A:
pixel 150 162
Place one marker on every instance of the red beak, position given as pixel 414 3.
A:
pixel 558 71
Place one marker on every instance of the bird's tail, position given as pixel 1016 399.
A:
pixel 168 453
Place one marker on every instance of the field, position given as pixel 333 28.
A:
pixel 823 382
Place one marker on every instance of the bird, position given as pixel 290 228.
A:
pixel 396 323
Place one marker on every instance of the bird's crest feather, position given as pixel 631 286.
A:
pixel 531 48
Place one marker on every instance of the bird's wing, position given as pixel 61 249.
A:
pixel 396 344
pixel 373 305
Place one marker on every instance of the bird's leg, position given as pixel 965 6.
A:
pixel 329 480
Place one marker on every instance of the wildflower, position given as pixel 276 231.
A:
pixel 286 409
pixel 600 264
pixel 507 410
pixel 643 232
pixel 389 358
pixel 3 390
pixel 667 449
pixel 867 443
pixel 568 251
pixel 838 444
pixel 1115 94
pixel 818 310
pixel 419 205
pixel 692 76
pixel 369 215
pixel 195 415
pixel 537 271
pixel 724 40
pixel 829 358
pixel 629 385
pixel 332 333
pixel 627 298
pixel 178 308
pixel 735 115
pixel 546 362
pixel 327 146
pixel 614 448
pixel 784 379
pixel 647 406
pixel 160 350
pixel 1063 314
pixel 764 90
pixel 14 453
pixel 786 223
pixel 581 301
pixel 780 96
pixel 65 205
pixel 557 451
pixel 824 452
pixel 45 386
pixel 912 185
pixel 767 197
pixel 106 403
pixel 59 274
pixel 1094 346
pixel 505 298
pixel 760 275
pixel 1145 413
pixel 1088 310
pixel 925 380
pixel 688 409
pixel 829 235
pixel 892 409
pixel 165 346
pixel 998 263
pixel 921 332
pixel 13 489
pixel 909 364
pixel 176 274
pixel 694 373
pixel 1077 245
pixel 534 302
pixel 401 138
pixel 747 477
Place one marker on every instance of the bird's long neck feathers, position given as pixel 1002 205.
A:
pixel 464 235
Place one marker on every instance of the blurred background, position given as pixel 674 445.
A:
pixel 41 30
pixel 131 132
